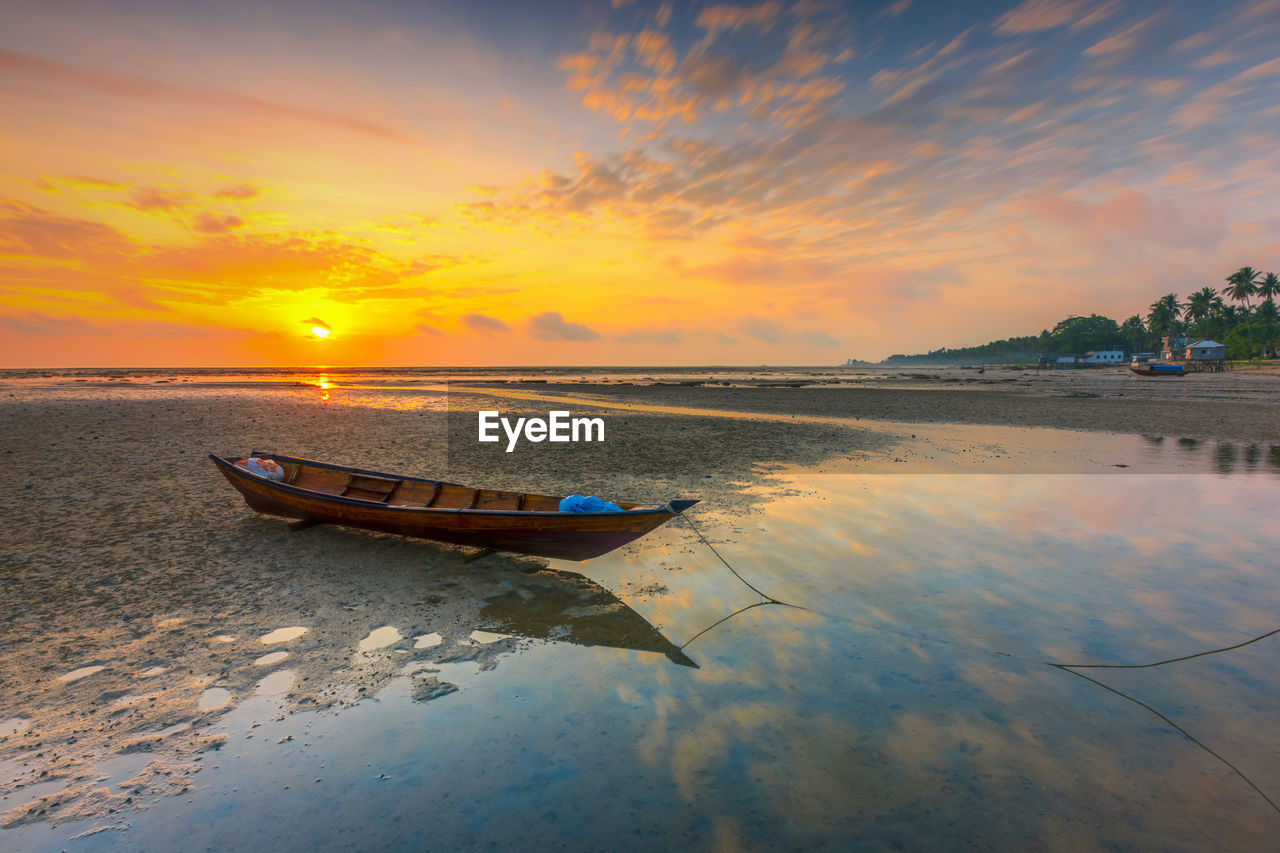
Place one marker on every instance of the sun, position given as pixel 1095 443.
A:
pixel 320 331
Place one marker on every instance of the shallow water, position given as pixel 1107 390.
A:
pixel 909 698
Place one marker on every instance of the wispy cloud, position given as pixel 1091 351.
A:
pixel 761 329
pixel 43 325
pixel 1037 15
pixel 660 337
pixel 212 223
pixel 485 325
pixel 34 232
pixel 551 326
pixel 21 65
pixel 644 79
pixel 769 332
pixel 87 181
pixel 149 198
pixel 238 191
pixel 1122 43
pixel 895 9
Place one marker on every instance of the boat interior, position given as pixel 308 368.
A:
pixel 393 491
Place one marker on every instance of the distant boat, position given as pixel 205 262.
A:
pixel 1156 368
pixel 325 493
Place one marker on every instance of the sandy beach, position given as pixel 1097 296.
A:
pixel 1238 405
pixel 144 598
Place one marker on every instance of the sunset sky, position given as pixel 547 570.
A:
pixel 617 183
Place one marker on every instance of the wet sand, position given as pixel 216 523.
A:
pixel 142 594
pixel 1239 405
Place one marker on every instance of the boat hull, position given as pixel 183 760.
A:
pixel 1174 370
pixel 563 535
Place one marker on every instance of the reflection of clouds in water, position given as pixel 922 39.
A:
pixel 850 718
pixel 1028 554
pixel 909 744
pixel 699 600
pixel 1228 700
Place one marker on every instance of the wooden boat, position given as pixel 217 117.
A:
pixel 1156 368
pixel 325 493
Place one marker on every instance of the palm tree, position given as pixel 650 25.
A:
pixel 1163 319
pixel 1200 306
pixel 1217 308
pixel 1244 283
pixel 1270 286
pixel 1134 333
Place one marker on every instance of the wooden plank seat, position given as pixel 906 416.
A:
pixel 367 487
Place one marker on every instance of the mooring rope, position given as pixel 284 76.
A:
pixel 720 622
pixel 1177 727
pixel 1161 662
pixel 769 599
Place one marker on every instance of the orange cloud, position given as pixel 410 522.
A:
pixel 33 232
pixel 43 325
pixel 212 223
pixel 659 86
pixel 763 15
pixel 149 198
pixel 125 85
pixel 238 191
pixel 1036 15
pixel 1123 43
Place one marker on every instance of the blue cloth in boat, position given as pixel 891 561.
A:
pixel 579 503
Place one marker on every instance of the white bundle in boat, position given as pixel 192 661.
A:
pixel 268 468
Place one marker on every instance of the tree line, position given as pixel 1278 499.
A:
pixel 1248 331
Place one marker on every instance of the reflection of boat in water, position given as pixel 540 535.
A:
pixel 567 607
pixel 1144 367
pixel 325 493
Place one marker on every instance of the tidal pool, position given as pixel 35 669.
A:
pixel 934 680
